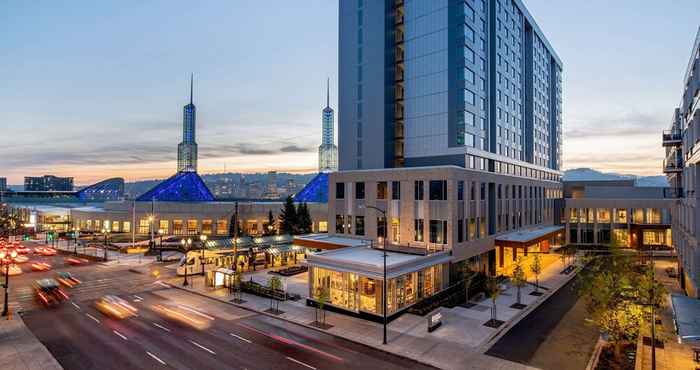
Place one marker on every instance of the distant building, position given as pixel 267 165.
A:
pixel 271 188
pixel 680 166
pixel 327 151
pixel 48 183
pixel 3 183
pixel 187 149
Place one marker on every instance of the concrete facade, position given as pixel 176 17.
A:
pixel 681 167
pixel 466 222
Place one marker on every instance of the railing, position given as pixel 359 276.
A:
pixel 672 135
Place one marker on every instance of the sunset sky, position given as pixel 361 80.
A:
pixel 96 89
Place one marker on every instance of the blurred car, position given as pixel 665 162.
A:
pixel 182 316
pixel 73 261
pixel 48 252
pixel 41 266
pixel 115 307
pixel 21 259
pixel 67 279
pixel 23 250
pixel 49 293
pixel 14 270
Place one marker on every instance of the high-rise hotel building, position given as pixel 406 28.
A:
pixel 450 121
pixel 681 168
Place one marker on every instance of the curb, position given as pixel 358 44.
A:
pixel 301 324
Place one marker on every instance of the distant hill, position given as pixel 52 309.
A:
pixel 589 174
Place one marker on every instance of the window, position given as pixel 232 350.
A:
pixel 178 227
pixel 360 225
pixel 126 227
pixel 163 225
pixel 381 227
pixel 339 224
pixel 469 76
pixel 381 190
pixel 144 226
pixel 222 227
pixel 469 97
pixel 460 190
pixel 460 231
pixel 359 190
pixel 469 118
pixel 482 191
pixel 469 139
pixel 438 190
pixel 472 229
pixel 339 190
pixel 395 230
pixel 192 227
pixel 418 230
pixel 418 190
pixel 395 190
pixel 438 231
pixel 207 227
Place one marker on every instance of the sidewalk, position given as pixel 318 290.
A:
pixel 113 257
pixel 458 344
pixel 20 350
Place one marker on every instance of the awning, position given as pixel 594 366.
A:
pixel 686 316
pixel 530 235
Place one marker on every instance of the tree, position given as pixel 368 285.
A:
pixel 269 227
pixel 468 276
pixel 519 279
pixel 493 289
pixel 288 218
pixel 235 224
pixel 321 299
pixel 236 284
pixel 305 224
pixel 536 268
pixel 9 222
pixel 275 285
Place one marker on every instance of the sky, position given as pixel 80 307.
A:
pixel 95 89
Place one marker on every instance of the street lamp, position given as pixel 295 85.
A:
pixel 6 258
pixel 202 239
pixel 76 235
pixel 186 246
pixel 151 229
pixel 106 239
pixel 382 240
pixel 160 244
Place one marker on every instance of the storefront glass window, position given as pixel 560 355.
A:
pixel 222 227
pixel 192 227
pixel 621 216
pixel 163 225
pixel 207 227
pixel 177 227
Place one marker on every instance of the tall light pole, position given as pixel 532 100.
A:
pixel 76 235
pixel 160 244
pixel 6 258
pixel 105 232
pixel 382 239
pixel 186 246
pixel 202 240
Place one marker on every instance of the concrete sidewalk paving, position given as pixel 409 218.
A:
pixel 21 350
pixel 458 344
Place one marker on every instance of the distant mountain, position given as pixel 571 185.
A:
pixel 589 174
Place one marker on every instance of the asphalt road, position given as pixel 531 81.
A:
pixel 522 341
pixel 80 337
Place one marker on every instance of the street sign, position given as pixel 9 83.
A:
pixel 434 320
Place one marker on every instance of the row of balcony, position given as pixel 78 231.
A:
pixel 673 163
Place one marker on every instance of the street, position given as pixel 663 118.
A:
pixel 80 337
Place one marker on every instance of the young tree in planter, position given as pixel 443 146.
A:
pixel 468 276
pixel 275 284
pixel 493 289
pixel 289 221
pixel 237 295
pixel 536 268
pixel 519 279
pixel 321 299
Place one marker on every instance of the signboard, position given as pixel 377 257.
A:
pixel 434 320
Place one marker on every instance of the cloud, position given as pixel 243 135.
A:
pixel 623 124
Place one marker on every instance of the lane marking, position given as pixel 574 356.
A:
pixel 300 363
pixel 119 334
pixel 162 284
pixel 162 327
pixel 195 312
pixel 293 343
pixel 156 358
pixel 137 297
pixel 202 347
pixel 93 317
pixel 241 338
pixel 76 306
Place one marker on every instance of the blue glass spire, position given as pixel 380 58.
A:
pixel 316 191
pixel 181 187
